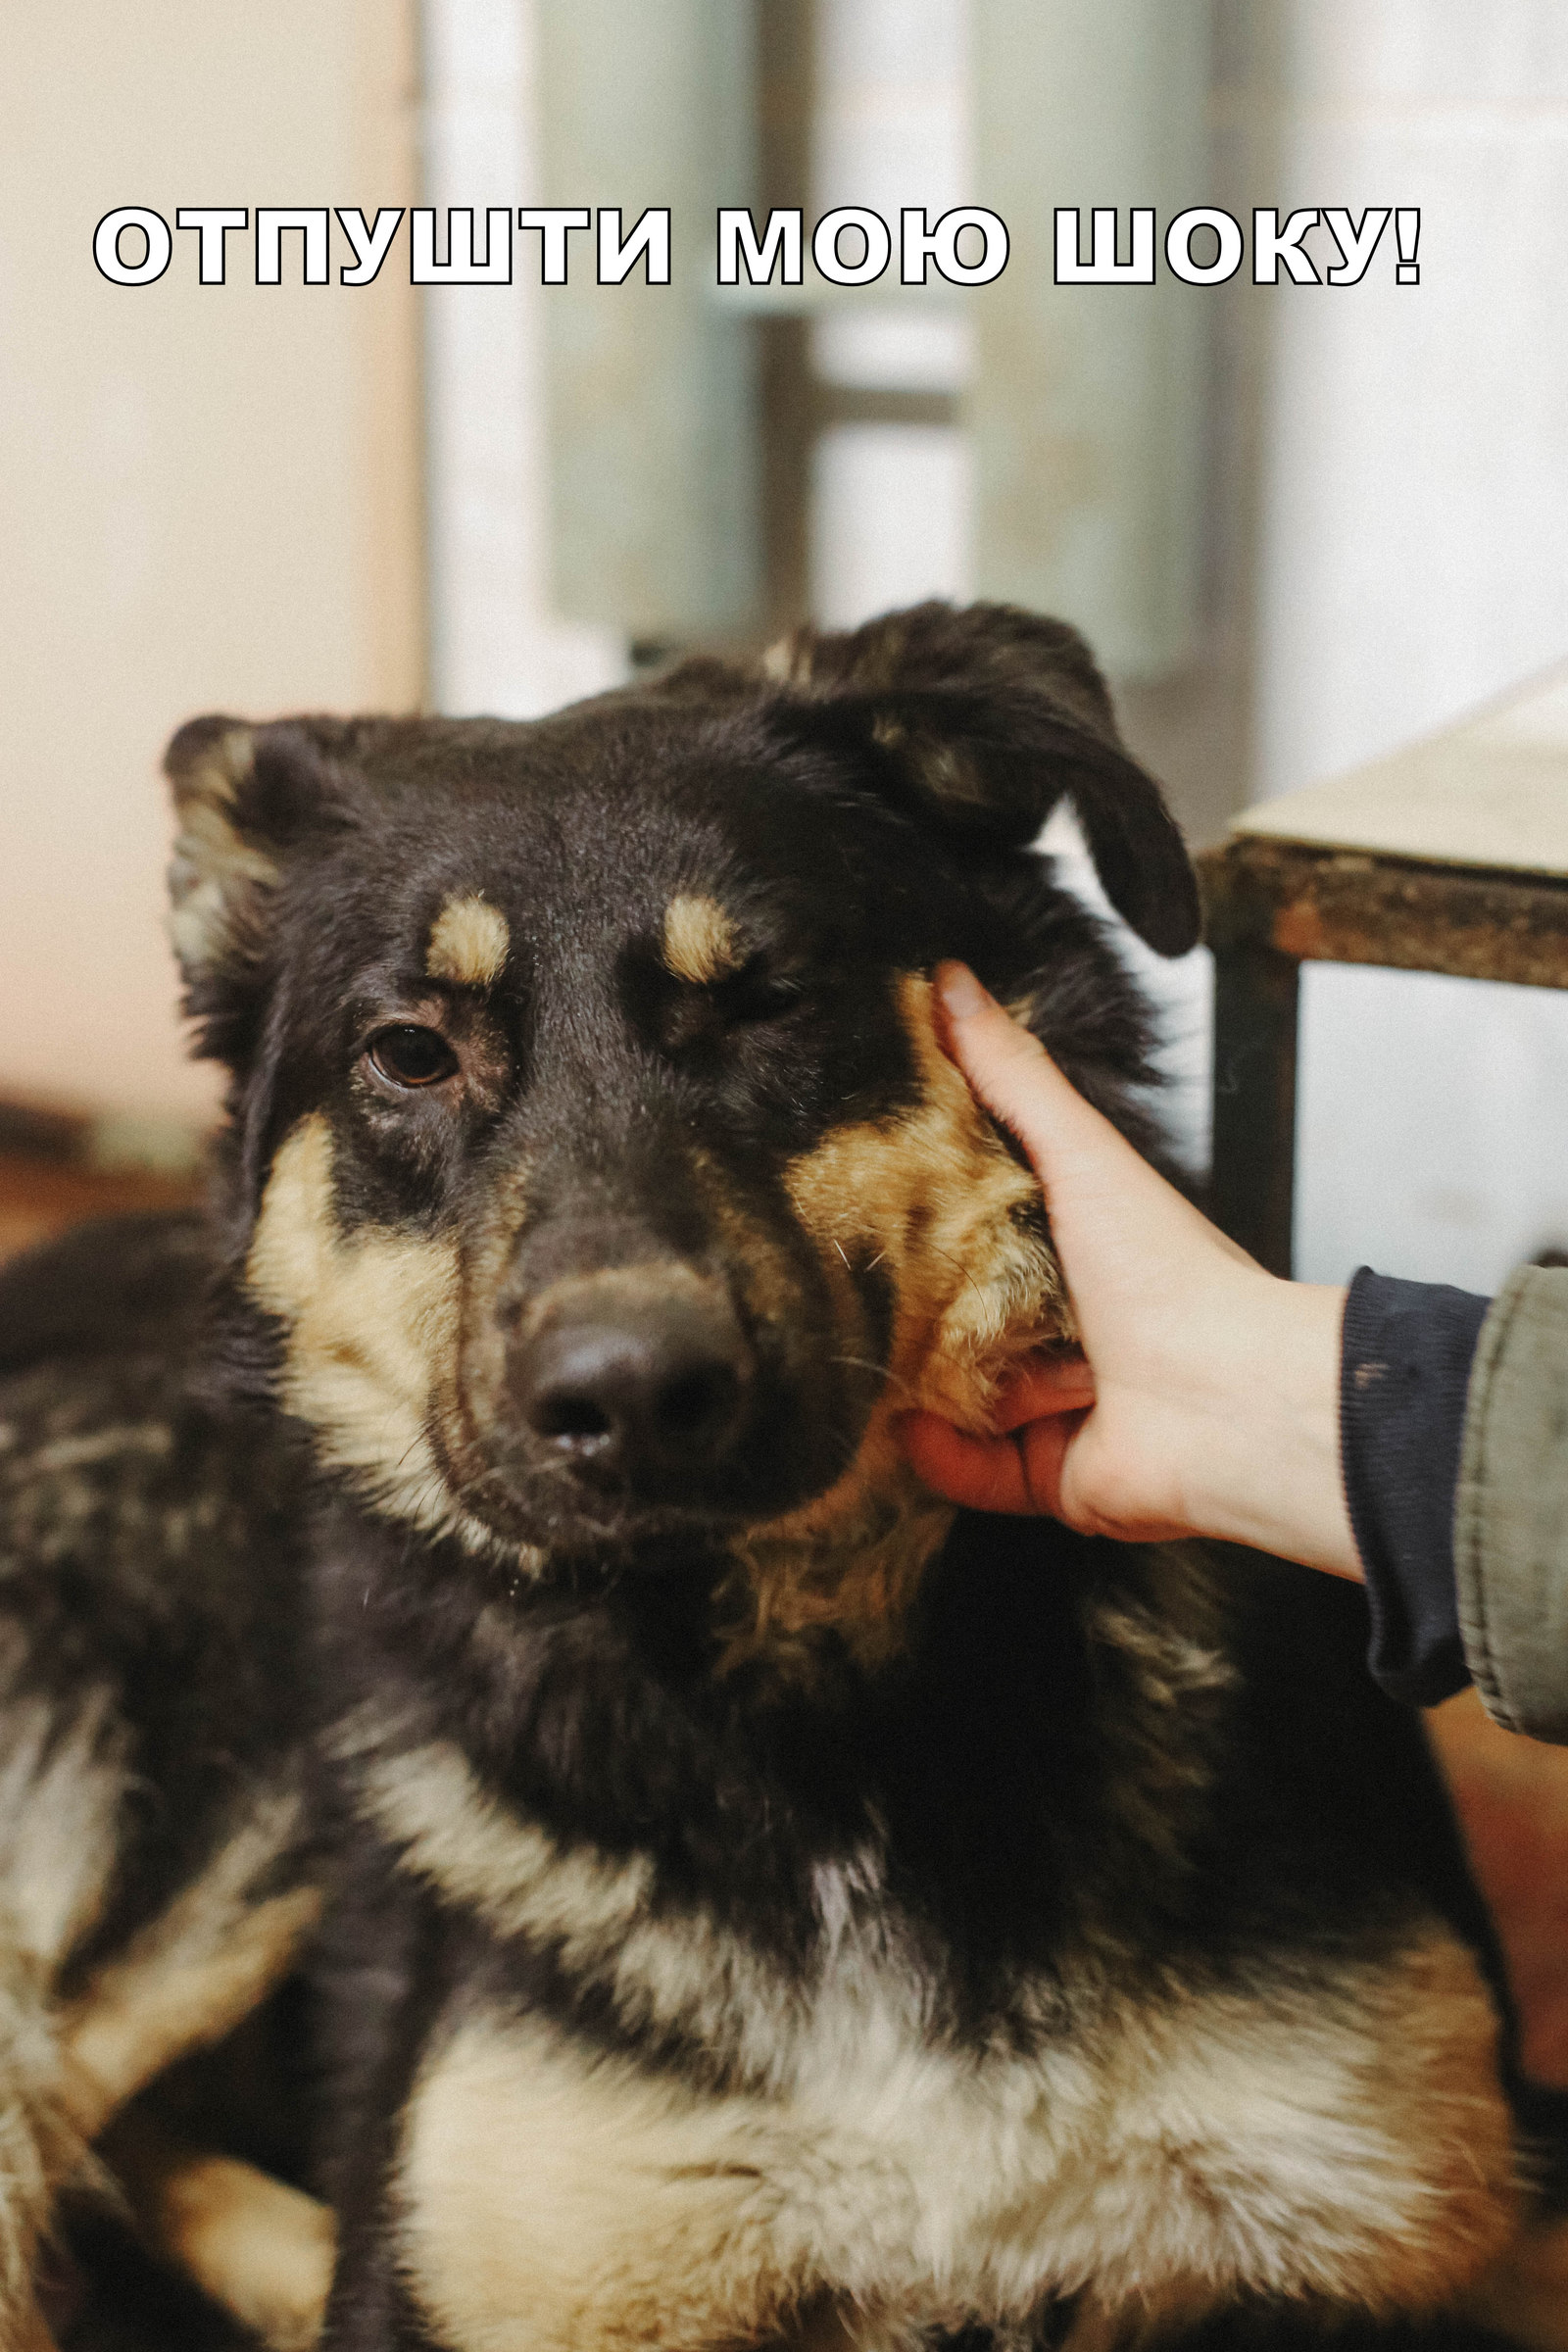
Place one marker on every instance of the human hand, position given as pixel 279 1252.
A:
pixel 1207 1398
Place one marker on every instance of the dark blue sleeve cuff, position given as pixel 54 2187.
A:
pixel 1405 1372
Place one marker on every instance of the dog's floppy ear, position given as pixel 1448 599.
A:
pixel 244 796
pixel 984 717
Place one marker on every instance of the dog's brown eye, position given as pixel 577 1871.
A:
pixel 407 1055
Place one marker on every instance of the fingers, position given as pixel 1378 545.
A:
pixel 1081 1160
pixel 1018 1475
pixel 1014 1076
pixel 1044 1385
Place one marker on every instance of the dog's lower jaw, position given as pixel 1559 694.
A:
pixel 852 1560
pixel 850 1564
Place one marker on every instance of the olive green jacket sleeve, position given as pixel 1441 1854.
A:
pixel 1511 1528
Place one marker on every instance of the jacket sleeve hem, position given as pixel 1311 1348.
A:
pixel 1511 1528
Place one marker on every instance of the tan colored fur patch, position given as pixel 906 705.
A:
pixel 184 1980
pixel 700 940
pixel 191 1974
pixel 469 943
pixel 62 1784
pixel 373 1320
pixel 261 2250
pixel 668 1971
pixel 1334 2135
pixel 40 2145
pixel 212 857
pixel 554 2204
pixel 933 1196
pixel 486 1858
pixel 936 1192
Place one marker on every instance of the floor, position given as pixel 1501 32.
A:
pixel 41 1196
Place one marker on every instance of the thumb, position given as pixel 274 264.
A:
pixel 1015 1077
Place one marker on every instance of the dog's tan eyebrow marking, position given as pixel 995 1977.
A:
pixel 469 940
pixel 700 940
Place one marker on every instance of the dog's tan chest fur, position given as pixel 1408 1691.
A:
pixel 1343 2139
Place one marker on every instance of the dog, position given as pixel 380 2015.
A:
pixel 744 1903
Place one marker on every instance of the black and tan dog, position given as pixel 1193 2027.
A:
pixel 764 1907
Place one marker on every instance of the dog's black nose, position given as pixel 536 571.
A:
pixel 626 1375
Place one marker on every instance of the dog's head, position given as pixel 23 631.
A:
pixel 594 1168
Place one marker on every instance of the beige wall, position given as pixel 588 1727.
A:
pixel 209 495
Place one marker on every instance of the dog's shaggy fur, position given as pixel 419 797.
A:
pixel 763 1906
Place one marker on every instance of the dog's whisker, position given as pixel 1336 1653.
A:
pixel 883 1372
pixel 949 1259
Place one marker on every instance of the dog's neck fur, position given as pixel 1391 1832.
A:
pixel 743 1779
pixel 859 1582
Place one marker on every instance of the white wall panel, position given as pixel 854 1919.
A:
pixel 1415 518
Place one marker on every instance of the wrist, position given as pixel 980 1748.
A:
pixel 1269 1472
